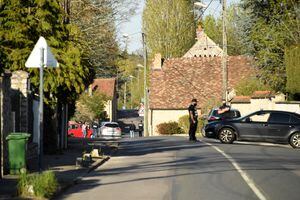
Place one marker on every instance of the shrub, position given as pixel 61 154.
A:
pixel 169 128
pixel 184 123
pixel 42 185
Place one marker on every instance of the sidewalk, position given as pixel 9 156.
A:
pixel 64 165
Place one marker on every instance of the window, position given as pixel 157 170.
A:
pixel 112 125
pixel 295 120
pixel 260 117
pixel 229 114
pixel 279 118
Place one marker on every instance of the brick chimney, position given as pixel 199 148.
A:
pixel 157 63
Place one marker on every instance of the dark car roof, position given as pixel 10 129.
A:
pixel 278 111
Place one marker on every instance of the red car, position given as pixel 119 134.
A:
pixel 74 130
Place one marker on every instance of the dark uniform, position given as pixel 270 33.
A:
pixel 226 114
pixel 141 128
pixel 193 126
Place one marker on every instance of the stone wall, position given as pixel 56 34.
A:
pixel 20 95
pixel 5 119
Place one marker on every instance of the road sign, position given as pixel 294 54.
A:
pixel 41 57
pixel 34 60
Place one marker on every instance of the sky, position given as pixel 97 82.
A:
pixel 133 27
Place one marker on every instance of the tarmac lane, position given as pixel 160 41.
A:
pixel 273 168
pixel 174 168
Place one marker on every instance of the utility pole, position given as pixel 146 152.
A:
pixel 224 55
pixel 131 89
pixel 124 104
pixel 146 130
pixel 41 111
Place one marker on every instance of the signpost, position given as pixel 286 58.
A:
pixel 40 57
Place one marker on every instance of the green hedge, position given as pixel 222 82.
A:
pixel 184 123
pixel 292 62
pixel 169 128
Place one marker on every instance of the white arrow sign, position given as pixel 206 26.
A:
pixel 34 60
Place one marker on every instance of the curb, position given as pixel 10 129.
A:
pixel 77 180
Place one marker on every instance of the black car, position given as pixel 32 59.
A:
pixel 270 126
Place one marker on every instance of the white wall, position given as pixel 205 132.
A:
pixel 291 107
pixel 265 104
pixel 159 116
pixel 108 109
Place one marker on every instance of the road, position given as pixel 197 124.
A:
pixel 174 168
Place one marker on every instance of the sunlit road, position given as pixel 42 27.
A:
pixel 173 168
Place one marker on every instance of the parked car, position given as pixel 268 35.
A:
pixel 214 116
pixel 74 130
pixel 231 114
pixel 269 126
pixel 110 129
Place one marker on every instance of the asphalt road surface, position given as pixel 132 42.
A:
pixel 175 169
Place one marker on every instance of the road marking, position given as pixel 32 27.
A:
pixel 264 144
pixel 244 175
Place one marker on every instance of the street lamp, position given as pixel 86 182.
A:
pixel 199 6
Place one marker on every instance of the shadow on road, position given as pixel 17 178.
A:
pixel 199 159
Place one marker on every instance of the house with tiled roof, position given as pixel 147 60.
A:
pixel 174 82
pixel 107 86
pixel 204 47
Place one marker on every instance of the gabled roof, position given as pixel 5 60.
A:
pixel 262 94
pixel 104 85
pixel 204 47
pixel 181 79
pixel 241 99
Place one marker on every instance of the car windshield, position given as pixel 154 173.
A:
pixel 111 125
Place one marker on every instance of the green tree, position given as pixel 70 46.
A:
pixel 22 22
pixel 131 72
pixel 268 28
pixel 169 26
pixel 98 35
pixel 90 107
pixel 249 86
pixel 292 61
pixel 98 21
pixel 213 28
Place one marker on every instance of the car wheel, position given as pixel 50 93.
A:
pixel 226 135
pixel 295 140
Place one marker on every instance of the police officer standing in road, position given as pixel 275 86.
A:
pixel 193 118
pixel 141 128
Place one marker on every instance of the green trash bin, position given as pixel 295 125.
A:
pixel 17 145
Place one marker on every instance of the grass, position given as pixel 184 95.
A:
pixel 40 185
